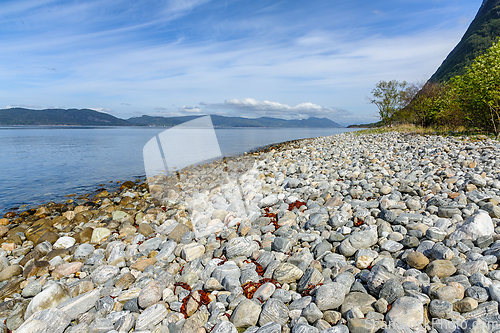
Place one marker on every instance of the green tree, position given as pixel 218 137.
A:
pixel 478 91
pixel 391 97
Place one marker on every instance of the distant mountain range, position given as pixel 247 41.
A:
pixel 481 34
pixel 87 117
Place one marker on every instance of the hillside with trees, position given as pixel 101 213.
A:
pixel 481 34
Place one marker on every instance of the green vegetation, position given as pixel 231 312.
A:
pixel 480 35
pixel 470 101
pixel 391 97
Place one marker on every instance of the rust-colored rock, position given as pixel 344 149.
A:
pixel 58 252
pixel 84 235
pixel 141 264
pixel 38 229
pixel 10 215
pixel 36 268
pixel 11 288
pixel 48 236
pixel 33 254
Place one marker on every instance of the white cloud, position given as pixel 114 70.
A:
pixel 190 109
pixel 160 108
pixel 251 107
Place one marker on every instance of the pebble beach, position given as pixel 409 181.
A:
pixel 393 233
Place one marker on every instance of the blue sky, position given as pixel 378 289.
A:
pixel 286 59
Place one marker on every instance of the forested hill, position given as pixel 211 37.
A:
pixel 83 117
pixel 482 32
pixel 87 117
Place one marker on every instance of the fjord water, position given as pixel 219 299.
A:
pixel 42 164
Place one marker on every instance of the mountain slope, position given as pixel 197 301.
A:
pixel 83 117
pixel 86 117
pixel 482 32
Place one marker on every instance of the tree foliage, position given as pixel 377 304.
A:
pixel 390 97
pixel 471 99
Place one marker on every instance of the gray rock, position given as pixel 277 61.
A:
pixel 273 310
pixel 50 297
pixel 82 303
pixel 281 244
pixel 240 246
pixel 246 314
pixel 330 296
pixel 494 290
pixel 150 317
pixel 49 320
pixel 149 295
pixel 304 328
pixel 301 259
pixel 101 325
pixel 271 327
pixel 406 310
pixel 287 273
pixel 391 290
pixel 363 301
pixel 83 251
pixel 229 268
pixel 440 309
pixel 391 246
pixel 312 313
pixel 125 323
pixel 104 274
pixel 311 277
pixel 224 327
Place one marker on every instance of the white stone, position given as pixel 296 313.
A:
pixel 64 242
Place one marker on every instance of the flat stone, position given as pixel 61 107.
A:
pixel 392 290
pixel 151 317
pixel 178 231
pixel 440 309
pixel 312 313
pixel 465 305
pixel 10 271
pixel 50 297
pixel 125 281
pixel 141 264
pixel 48 320
pixel 149 295
pixel 477 225
pixel 75 306
pixel 66 269
pixel 224 327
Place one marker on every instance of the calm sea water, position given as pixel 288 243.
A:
pixel 41 164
